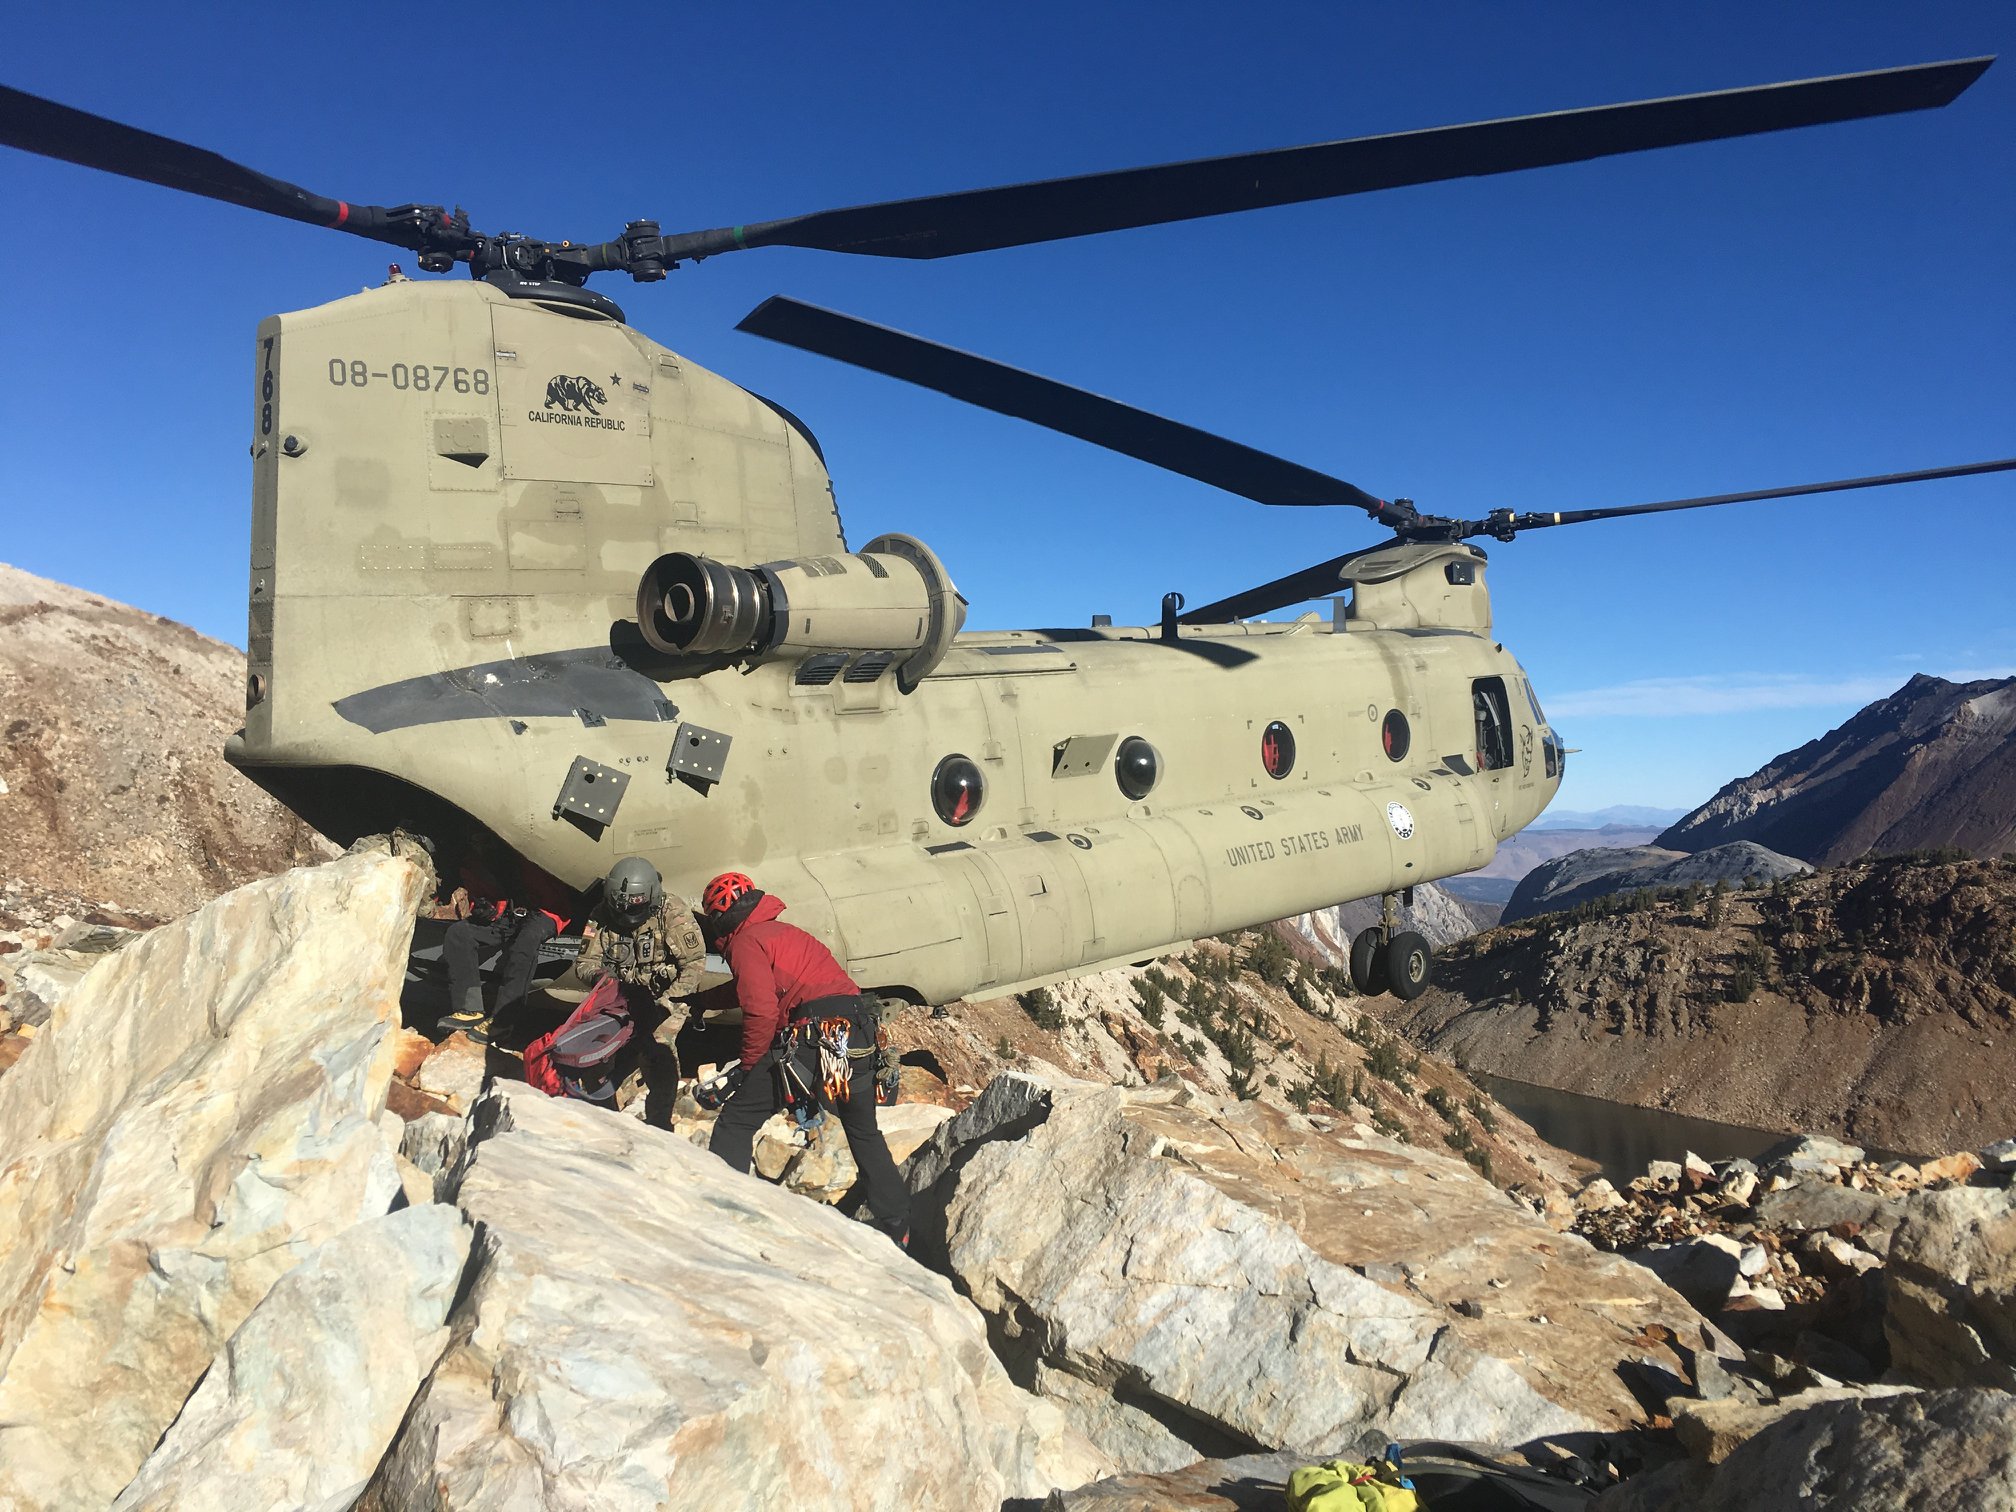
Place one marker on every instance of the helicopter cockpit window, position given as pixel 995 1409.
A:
pixel 1533 699
pixel 1493 715
pixel 957 790
pixel 1549 746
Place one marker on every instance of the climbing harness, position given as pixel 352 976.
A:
pixel 798 1074
pixel 835 1075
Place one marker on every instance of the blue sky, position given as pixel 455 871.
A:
pixel 1811 305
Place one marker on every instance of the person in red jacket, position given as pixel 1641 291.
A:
pixel 786 978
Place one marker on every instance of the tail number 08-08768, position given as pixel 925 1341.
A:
pixel 419 377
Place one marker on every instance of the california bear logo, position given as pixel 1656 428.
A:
pixel 563 392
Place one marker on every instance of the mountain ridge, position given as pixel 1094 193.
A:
pixel 1933 765
pixel 113 783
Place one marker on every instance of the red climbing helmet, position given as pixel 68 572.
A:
pixel 720 894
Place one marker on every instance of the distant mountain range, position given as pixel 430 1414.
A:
pixel 1625 815
pixel 1931 766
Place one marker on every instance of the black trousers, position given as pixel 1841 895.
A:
pixel 734 1137
pixel 467 942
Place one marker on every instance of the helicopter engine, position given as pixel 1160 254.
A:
pixel 891 597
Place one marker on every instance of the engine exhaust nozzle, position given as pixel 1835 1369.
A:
pixel 693 605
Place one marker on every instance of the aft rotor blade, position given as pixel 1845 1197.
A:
pixel 980 220
pixel 1297 587
pixel 1236 468
pixel 1505 520
pixel 41 126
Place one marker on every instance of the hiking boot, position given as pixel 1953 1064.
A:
pixel 899 1233
pixel 479 1032
pixel 464 1018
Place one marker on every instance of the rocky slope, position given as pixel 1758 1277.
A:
pixel 1933 765
pixel 1249 1020
pixel 1583 875
pixel 114 797
pixel 1876 1000
pixel 239 1267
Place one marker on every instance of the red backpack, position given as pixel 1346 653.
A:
pixel 578 1059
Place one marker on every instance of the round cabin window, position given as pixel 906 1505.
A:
pixel 957 789
pixel 1395 736
pixel 1136 767
pixel 1277 750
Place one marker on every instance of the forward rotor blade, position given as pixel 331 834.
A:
pixel 1506 520
pixel 44 127
pixel 980 220
pixel 995 386
pixel 1325 577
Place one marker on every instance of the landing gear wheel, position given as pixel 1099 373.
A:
pixel 1368 964
pixel 1408 961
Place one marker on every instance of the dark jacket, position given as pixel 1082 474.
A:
pixel 778 969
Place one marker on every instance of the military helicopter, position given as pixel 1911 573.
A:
pixel 531 584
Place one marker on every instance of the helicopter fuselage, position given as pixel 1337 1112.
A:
pixel 455 496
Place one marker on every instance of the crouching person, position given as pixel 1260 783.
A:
pixel 641 955
pixel 789 985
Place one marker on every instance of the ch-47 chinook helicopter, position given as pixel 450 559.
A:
pixel 529 583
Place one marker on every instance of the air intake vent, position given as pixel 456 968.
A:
pixel 869 666
pixel 817 671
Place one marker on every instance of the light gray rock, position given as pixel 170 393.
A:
pixel 1812 1202
pixel 1812 1155
pixel 1246 1483
pixel 1664 1175
pixel 1899 1453
pixel 1703 1270
pixel 435 1143
pixel 1711 1431
pixel 1599 1196
pixel 1951 1319
pixel 454 1073
pixel 820 1165
pixel 1199 1272
pixel 644 1328
pixel 96 939
pixel 2000 1156
pixel 37 980
pixel 1738 1186
pixel 198 1115
pixel 299 1408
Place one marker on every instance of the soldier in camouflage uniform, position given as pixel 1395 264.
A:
pixel 649 941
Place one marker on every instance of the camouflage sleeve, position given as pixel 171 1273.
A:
pixel 686 949
pixel 587 965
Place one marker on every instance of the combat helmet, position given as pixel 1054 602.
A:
pixel 634 890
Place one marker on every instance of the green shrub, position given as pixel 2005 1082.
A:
pixel 1042 1009
pixel 1390 1126
pixel 1149 996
